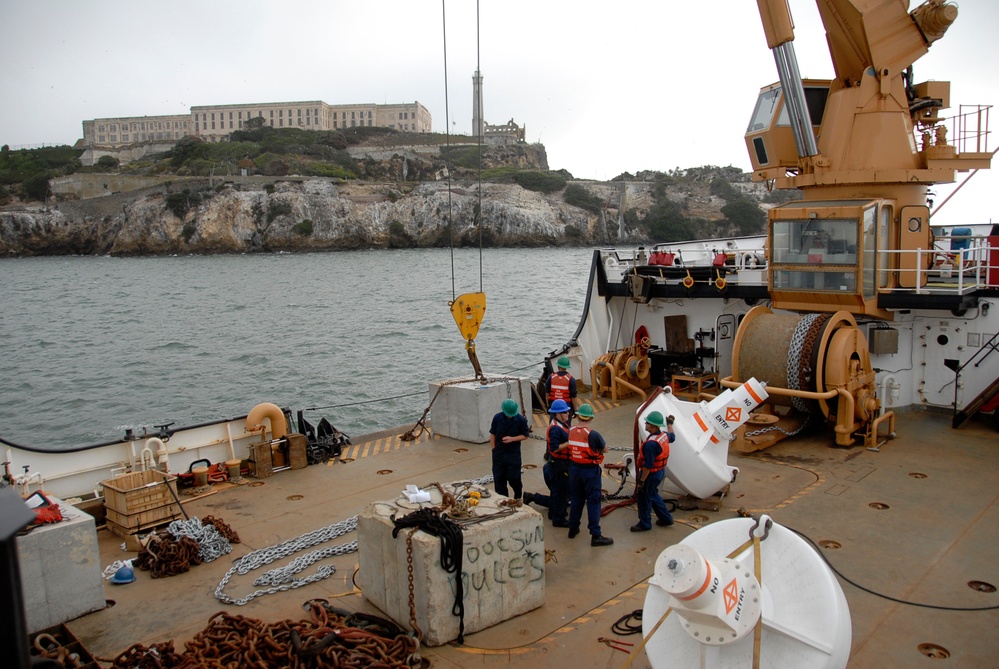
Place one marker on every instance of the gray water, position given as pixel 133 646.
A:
pixel 95 345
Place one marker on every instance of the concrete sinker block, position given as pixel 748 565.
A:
pixel 464 410
pixel 502 570
pixel 60 569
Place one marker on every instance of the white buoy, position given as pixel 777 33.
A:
pixel 716 602
pixel 698 460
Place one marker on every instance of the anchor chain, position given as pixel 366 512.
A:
pixel 283 578
pixel 328 639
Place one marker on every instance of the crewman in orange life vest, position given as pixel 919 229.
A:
pixel 561 386
pixel 586 452
pixel 651 470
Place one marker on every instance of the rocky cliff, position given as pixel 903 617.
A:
pixel 324 214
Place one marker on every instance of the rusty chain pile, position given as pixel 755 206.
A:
pixel 186 543
pixel 166 556
pixel 48 647
pixel 328 639
pixel 222 527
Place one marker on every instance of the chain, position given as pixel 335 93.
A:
pixel 328 640
pixel 794 358
pixel 421 424
pixel 412 592
pixel 211 544
pixel 283 578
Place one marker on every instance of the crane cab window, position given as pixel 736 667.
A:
pixel 817 254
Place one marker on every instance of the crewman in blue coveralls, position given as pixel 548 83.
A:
pixel 508 429
pixel 556 469
pixel 586 452
pixel 652 470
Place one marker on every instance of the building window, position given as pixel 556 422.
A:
pixel 299 113
pixel 213 125
pixel 281 122
pixel 334 124
pixel 230 116
pixel 272 115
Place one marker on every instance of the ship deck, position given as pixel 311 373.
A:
pixel 916 520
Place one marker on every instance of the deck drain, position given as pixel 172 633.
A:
pixel 256 484
pixel 917 475
pixel 346 460
pixel 830 544
pixel 530 466
pixel 933 651
pixel 981 586
pixel 880 506
pixel 698 519
pixel 461 450
pixel 295 498
pixel 383 472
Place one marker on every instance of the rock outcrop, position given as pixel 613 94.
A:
pixel 314 214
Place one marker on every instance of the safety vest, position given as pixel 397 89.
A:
pixel 660 462
pixel 555 423
pixel 559 387
pixel 579 447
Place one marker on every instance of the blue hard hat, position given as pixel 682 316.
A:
pixel 559 406
pixel 122 576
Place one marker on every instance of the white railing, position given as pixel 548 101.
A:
pixel 942 271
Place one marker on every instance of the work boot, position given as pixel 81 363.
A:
pixel 600 540
pixel 560 523
pixel 528 498
pixel 573 531
pixel 639 528
pixel 664 523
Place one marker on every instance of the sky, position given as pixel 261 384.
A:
pixel 607 87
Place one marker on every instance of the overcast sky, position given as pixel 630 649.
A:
pixel 606 86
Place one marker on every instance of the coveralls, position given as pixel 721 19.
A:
pixel 586 450
pixel 506 456
pixel 655 453
pixel 556 472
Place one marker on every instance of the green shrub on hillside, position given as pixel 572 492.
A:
pixel 29 170
pixel 540 182
pixel 303 228
pixel 327 170
pixel 277 208
pixel 181 203
pixel 578 196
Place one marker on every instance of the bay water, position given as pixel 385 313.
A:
pixel 95 345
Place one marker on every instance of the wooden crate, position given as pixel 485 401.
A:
pixel 140 500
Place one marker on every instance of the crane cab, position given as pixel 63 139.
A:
pixel 836 255
pixel 770 136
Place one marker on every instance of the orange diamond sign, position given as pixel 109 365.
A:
pixel 731 596
pixel 733 414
